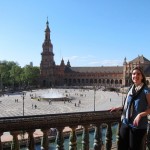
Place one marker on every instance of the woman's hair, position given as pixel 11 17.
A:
pixel 142 73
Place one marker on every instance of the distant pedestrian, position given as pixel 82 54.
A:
pixel 50 101
pixel 35 106
pixel 79 101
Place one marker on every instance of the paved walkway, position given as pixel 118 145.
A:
pixel 12 104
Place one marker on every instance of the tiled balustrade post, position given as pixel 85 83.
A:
pixel 109 137
pixel 31 140
pixel 117 135
pixel 15 140
pixel 97 137
pixel 85 138
pixel 73 139
pixel 45 143
pixel 60 139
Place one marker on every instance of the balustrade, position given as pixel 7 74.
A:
pixel 86 120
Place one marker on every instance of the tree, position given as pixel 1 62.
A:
pixel 5 67
pixel 15 76
pixel 31 75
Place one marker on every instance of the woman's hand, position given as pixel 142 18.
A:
pixel 115 109
pixel 137 120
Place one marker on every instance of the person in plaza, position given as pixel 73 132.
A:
pixel 132 135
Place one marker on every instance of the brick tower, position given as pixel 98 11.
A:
pixel 47 65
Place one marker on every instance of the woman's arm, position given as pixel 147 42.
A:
pixel 144 113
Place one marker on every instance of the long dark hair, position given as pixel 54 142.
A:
pixel 143 75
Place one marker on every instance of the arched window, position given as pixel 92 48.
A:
pixel 116 81
pixel 95 80
pixel 87 81
pixel 82 80
pixel 100 81
pixel 103 80
pixel 147 81
pixel 91 80
pixel 108 81
pixel 78 80
pixel 112 81
pixel 120 81
pixel 74 80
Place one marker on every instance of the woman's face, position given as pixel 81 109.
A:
pixel 137 77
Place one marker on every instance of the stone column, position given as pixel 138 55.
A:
pixel 117 134
pixel 45 144
pixel 109 137
pixel 60 139
pixel 73 139
pixel 98 137
pixel 31 140
pixel 16 145
pixel 85 138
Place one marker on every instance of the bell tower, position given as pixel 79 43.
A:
pixel 47 60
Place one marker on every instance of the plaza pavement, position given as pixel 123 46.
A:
pixel 12 104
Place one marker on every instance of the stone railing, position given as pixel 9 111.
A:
pixel 28 124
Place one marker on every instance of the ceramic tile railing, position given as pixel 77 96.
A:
pixel 28 124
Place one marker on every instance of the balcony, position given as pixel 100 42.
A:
pixel 87 120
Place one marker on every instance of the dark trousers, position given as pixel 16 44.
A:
pixel 131 138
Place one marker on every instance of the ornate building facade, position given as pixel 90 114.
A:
pixel 64 74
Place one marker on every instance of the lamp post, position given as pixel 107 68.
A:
pixel 122 95
pixel 94 96
pixel 23 103
pixel 1 82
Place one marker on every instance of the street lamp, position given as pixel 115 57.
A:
pixel 1 82
pixel 94 96
pixel 23 96
pixel 122 95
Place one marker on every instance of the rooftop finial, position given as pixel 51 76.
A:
pixel 47 21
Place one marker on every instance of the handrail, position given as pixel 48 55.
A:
pixel 53 120
pixel 28 124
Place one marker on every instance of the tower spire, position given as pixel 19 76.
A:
pixel 47 31
pixel 47 23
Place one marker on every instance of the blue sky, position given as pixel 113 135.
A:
pixel 85 32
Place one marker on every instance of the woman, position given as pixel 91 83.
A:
pixel 135 110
